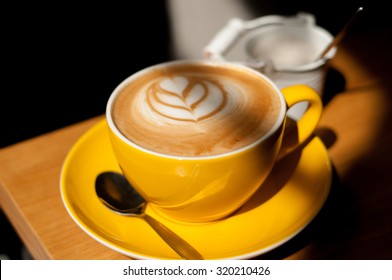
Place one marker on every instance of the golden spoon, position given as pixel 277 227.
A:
pixel 341 34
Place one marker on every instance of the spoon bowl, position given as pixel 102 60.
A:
pixel 118 195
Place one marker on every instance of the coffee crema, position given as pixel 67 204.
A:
pixel 195 109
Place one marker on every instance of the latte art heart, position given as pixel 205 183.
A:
pixel 185 98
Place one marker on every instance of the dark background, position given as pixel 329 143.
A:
pixel 60 61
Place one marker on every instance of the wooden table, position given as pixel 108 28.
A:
pixel 355 223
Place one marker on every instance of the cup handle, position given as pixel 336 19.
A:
pixel 300 131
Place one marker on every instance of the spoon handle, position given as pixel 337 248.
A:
pixel 341 34
pixel 183 248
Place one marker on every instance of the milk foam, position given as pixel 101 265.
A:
pixel 194 112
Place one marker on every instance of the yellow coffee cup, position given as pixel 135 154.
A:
pixel 197 138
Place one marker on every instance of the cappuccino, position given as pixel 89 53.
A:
pixel 195 109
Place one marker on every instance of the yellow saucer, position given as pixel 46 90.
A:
pixel 289 199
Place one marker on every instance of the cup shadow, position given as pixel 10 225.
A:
pixel 282 170
pixel 275 181
pixel 333 219
pixel 321 228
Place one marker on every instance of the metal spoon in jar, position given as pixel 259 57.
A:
pixel 119 196
pixel 342 33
